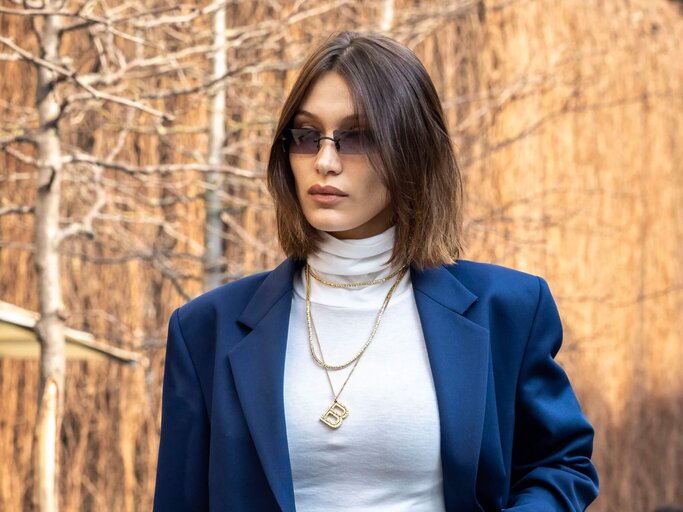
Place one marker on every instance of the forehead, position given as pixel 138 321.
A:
pixel 328 100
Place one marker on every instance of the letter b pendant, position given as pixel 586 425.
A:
pixel 335 414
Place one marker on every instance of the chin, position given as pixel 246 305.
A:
pixel 330 227
pixel 352 231
pixel 329 220
pixel 337 223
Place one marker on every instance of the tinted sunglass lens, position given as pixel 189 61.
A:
pixel 304 141
pixel 348 142
pixel 352 142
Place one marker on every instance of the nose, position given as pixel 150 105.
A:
pixel 327 160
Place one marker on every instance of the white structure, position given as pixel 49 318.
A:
pixel 18 340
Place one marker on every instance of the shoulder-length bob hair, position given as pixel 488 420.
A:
pixel 394 95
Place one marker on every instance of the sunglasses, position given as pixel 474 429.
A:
pixel 304 141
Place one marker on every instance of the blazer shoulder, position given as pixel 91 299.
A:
pixel 489 273
pixel 489 281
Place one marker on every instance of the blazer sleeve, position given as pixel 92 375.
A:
pixel 553 441
pixel 182 468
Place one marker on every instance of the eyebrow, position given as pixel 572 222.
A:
pixel 301 112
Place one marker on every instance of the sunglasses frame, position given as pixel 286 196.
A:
pixel 337 137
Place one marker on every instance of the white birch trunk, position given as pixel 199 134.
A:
pixel 387 16
pixel 213 254
pixel 50 327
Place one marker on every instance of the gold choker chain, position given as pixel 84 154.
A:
pixel 353 285
pixel 312 332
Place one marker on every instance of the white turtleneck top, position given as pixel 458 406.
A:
pixel 386 454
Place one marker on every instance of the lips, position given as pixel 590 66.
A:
pixel 327 190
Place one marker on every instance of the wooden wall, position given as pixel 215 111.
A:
pixel 567 117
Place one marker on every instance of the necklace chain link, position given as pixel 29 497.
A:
pixel 312 332
pixel 354 285
pixel 337 412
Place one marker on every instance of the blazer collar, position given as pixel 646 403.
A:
pixel 458 354
pixel 443 287
pixel 277 283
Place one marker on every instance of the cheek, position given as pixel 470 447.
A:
pixel 377 192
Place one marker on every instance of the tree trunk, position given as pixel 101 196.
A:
pixel 387 22
pixel 213 228
pixel 50 327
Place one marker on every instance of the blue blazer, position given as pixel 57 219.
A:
pixel 512 434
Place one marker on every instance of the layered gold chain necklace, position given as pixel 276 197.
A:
pixel 337 412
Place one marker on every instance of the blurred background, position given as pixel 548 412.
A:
pixel 133 142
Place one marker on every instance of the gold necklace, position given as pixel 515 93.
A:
pixel 337 412
pixel 354 285
pixel 312 331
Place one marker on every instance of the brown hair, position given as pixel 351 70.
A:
pixel 414 156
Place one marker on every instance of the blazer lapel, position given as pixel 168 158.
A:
pixel 258 363
pixel 458 352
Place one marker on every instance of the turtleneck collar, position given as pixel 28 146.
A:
pixel 352 258
pixel 352 261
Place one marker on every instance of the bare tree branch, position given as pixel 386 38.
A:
pixel 20 137
pixel 9 56
pixel 23 209
pixel 21 156
pixel 124 101
pixel 85 225
pixel 194 11
pixel 150 169
pixel 71 74
pixel 18 176
pixel 239 70
pixel 246 236
pixel 35 60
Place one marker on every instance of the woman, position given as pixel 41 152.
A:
pixel 370 371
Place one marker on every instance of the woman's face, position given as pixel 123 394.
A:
pixel 355 203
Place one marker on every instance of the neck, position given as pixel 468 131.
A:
pixel 352 258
